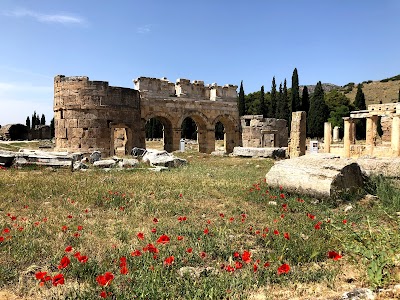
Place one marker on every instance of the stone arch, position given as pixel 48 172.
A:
pixel 169 131
pixel 205 130
pixel 231 131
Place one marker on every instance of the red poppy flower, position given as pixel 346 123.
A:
pixel 64 228
pixel 221 215
pixel 238 265
pixel 265 229
pixel 168 261
pixel 64 262
pixel 229 269
pixel 155 220
pixel 312 217
pixel 103 294
pixel 276 232
pixel 203 254
pixel 285 207
pixel 286 235
pixel 344 221
pixel 334 255
pixel 124 270
pixel 68 249
pixel 76 234
pixel 246 256
pixel 189 250
pixel 231 219
pixel 122 261
pixel 266 265
pixel 180 238
pixel 255 267
pixel 151 248
pixel 318 226
pixel 257 232
pixel 6 230
pixel 181 218
pixel 163 239
pixel 154 230
pixel 58 279
pixel 136 253
pixel 283 269
pixel 77 254
pixel 180 195
pixel 282 196
pixel 206 231
pixel 236 254
pixel 82 259
pixel 1 239
pixel 40 275
pixel 80 227
pixel 69 217
pixel 105 279
pixel 140 236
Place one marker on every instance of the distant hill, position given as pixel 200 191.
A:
pixel 327 87
pixel 385 90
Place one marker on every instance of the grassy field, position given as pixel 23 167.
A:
pixel 210 230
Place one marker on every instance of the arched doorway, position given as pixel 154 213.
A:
pixel 219 136
pixel 159 133
pixel 226 131
pixel 189 133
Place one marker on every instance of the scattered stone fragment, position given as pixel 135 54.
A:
pixel 106 163
pixel 128 163
pixel 359 294
pixel 260 152
pixel 95 156
pixel 162 158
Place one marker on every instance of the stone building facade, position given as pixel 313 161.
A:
pixel 89 114
pixel 258 131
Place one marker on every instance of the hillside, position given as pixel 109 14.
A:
pixel 386 90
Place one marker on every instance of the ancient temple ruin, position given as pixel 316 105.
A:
pixel 89 114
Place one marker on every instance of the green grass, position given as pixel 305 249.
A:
pixel 225 195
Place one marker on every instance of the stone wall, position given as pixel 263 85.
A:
pixel 258 131
pixel 87 113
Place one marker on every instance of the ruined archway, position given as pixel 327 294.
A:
pixel 121 139
pixel 203 131
pixel 159 128
pixel 230 131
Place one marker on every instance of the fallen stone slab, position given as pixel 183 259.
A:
pixel 7 158
pixel 162 158
pixel 271 152
pixel 317 175
pixel 388 167
pixel 128 163
pixel 106 163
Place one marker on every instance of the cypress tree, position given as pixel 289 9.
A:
pixel 241 101
pixel 52 129
pixel 28 122
pixel 305 100
pixel 34 120
pixel 399 96
pixel 272 105
pixel 359 102
pixel 285 103
pixel 279 106
pixel 295 99
pixel 318 112
pixel 263 107
pixel 43 120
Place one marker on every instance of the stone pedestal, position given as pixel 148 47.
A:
pixel 298 134
pixel 336 134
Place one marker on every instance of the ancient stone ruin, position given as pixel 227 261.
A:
pixel 91 115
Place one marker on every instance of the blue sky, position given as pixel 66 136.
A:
pixel 335 41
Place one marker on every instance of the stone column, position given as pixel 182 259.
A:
pixel 206 139
pixel 349 135
pixel 327 137
pixel 172 139
pixel 298 134
pixel 371 132
pixel 395 141
pixel 336 134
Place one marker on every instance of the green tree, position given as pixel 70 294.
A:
pixel 359 104
pixel 335 99
pixel 272 104
pixel 43 120
pixel 399 96
pixel 241 100
pixel 318 113
pixel 305 100
pixel 295 99
pixel 28 122
pixel 34 117
pixel 359 101
pixel 285 103
pixel 263 107
pixel 336 115
pixel 52 128
pixel 252 101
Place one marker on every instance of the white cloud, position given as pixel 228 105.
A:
pixel 144 29
pixel 7 87
pixel 46 18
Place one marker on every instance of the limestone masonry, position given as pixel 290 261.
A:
pixel 88 114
